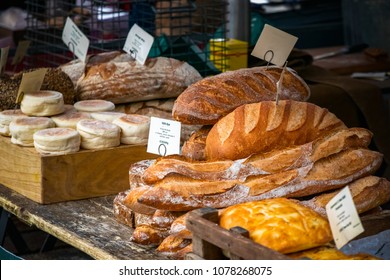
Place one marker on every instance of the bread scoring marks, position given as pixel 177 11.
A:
pixel 225 126
pixel 251 117
pixel 297 117
pixel 275 114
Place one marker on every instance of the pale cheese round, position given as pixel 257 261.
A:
pixel 70 119
pixel 97 134
pixel 57 141
pixel 43 103
pixel 94 105
pixel 109 116
pixel 134 129
pixel 22 129
pixel 6 117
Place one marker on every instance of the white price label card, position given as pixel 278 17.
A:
pixel 274 45
pixel 21 51
pixel 31 81
pixel 75 40
pixel 138 43
pixel 3 60
pixel 343 218
pixel 164 137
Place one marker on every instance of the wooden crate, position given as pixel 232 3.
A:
pixel 210 241
pixel 55 178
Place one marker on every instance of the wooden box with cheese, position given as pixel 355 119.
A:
pixel 54 178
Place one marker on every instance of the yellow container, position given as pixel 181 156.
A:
pixel 229 54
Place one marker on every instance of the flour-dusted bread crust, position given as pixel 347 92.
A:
pixel 123 81
pixel 211 98
pixel 265 126
pixel 367 193
pixel 280 224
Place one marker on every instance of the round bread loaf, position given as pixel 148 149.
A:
pixel 107 116
pixel 22 129
pixel 70 118
pixel 6 117
pixel 134 128
pixel 57 140
pixel 96 134
pixel 94 105
pixel 42 103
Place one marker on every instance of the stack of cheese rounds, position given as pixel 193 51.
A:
pixel 6 117
pixel 22 129
pixel 109 116
pixel 56 141
pixel 70 118
pixel 94 105
pixel 97 134
pixel 42 103
pixel 134 128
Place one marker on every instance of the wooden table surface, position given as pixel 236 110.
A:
pixel 88 225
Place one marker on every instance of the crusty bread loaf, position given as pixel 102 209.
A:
pixel 280 224
pixel 181 193
pixel 367 193
pixel 122 213
pixel 194 147
pixel 175 247
pixel 149 235
pixel 211 98
pixel 129 81
pixel 136 171
pixel 265 126
pixel 258 164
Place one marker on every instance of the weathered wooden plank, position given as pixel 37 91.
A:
pixel 88 225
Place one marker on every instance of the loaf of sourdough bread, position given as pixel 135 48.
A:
pixel 266 126
pixel 211 98
pixel 126 81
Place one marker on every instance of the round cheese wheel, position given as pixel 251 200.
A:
pixel 70 119
pixel 94 105
pixel 22 129
pixel 134 128
pixel 97 134
pixel 57 140
pixel 6 117
pixel 42 103
pixel 109 116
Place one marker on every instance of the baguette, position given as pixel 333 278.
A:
pixel 265 126
pixel 211 98
pixel 258 164
pixel 367 194
pixel 181 193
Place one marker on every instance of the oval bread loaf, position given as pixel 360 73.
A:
pixel 211 98
pixel 265 126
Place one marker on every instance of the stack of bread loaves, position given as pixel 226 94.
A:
pixel 252 150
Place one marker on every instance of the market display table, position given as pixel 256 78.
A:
pixel 88 225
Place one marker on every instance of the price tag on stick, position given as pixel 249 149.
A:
pixel 20 52
pixel 76 41
pixel 164 137
pixel 274 45
pixel 343 218
pixel 138 43
pixel 31 81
